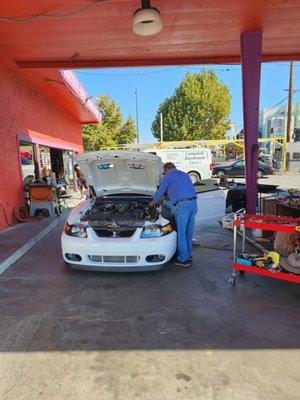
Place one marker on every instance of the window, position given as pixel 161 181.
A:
pixel 45 156
pixel 26 152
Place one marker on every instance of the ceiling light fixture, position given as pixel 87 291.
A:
pixel 146 20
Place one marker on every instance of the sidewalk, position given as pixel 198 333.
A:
pixel 16 240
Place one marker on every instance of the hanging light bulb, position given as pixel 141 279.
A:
pixel 146 20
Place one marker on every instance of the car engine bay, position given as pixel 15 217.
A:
pixel 123 211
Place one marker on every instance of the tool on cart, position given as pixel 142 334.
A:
pixel 270 260
pixel 270 264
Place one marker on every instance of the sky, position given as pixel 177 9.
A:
pixel 154 84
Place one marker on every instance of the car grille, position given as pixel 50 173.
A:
pixel 114 259
pixel 120 234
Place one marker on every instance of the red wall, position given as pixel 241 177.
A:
pixel 23 108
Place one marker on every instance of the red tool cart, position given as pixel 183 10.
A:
pixel 265 223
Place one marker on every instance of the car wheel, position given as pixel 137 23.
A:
pixel 260 173
pixel 220 173
pixel 195 177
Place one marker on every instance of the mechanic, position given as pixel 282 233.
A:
pixel 181 192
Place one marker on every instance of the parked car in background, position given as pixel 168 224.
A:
pixel 237 169
pixel 196 162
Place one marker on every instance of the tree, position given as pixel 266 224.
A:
pixel 198 109
pixel 113 129
pixel 127 133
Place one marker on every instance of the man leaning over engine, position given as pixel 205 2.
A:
pixel 181 192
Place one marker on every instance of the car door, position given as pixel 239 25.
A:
pixel 238 168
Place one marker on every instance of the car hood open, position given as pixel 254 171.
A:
pixel 111 172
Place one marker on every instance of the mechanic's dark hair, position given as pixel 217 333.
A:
pixel 169 165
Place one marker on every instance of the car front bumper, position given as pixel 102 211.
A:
pixel 118 254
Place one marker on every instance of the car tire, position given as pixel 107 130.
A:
pixel 220 173
pixel 195 176
pixel 260 173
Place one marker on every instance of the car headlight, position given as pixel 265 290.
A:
pixel 154 231
pixel 76 230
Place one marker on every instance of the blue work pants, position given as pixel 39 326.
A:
pixel 185 212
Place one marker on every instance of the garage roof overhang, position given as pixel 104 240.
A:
pixel 62 86
pixel 69 92
pixel 195 32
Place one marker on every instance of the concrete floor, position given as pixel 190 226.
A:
pixel 172 334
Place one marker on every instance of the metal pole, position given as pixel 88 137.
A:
pixel 161 128
pixel 137 117
pixel 233 275
pixel 234 238
pixel 283 168
pixel 289 114
pixel 243 228
pixel 251 48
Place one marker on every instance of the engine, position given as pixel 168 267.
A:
pixel 122 212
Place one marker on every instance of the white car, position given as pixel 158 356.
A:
pixel 116 230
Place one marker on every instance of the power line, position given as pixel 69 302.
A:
pixel 268 109
pixel 160 71
pixel 31 18
pixel 287 65
pixel 124 74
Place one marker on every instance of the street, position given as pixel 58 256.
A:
pixel 171 334
pixel 284 181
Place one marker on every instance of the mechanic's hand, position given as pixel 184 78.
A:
pixel 162 199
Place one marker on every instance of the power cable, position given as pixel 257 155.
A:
pixel 268 109
pixel 86 100
pixel 162 70
pixel 48 15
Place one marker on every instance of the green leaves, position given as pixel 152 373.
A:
pixel 198 109
pixel 113 130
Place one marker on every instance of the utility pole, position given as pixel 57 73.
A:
pixel 289 115
pixel 161 128
pixel 137 117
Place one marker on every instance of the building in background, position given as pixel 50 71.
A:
pixel 273 122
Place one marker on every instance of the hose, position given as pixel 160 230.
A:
pixel 21 214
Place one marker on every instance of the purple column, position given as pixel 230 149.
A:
pixel 251 46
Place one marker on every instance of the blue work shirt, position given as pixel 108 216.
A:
pixel 177 184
